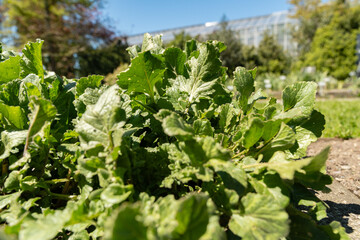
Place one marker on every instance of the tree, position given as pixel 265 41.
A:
pixel 311 14
pixel 232 56
pixel 271 56
pixel 69 27
pixel 103 60
pixel 333 48
pixel 251 58
pixel 180 39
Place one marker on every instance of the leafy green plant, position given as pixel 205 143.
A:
pixel 166 153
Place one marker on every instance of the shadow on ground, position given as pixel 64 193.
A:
pixel 341 212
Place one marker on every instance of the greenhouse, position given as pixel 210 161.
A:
pixel 250 30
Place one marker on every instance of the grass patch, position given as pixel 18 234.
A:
pixel 342 117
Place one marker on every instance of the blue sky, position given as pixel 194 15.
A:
pixel 139 16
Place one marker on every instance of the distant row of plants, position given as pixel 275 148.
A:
pixel 276 82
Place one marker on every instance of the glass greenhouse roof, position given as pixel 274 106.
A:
pixel 252 26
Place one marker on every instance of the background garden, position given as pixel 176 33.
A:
pixel 200 137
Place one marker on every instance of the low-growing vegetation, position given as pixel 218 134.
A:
pixel 166 153
pixel 342 117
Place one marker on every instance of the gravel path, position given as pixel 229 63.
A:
pixel 344 166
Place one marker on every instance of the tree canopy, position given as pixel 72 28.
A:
pixel 311 14
pixel 69 28
pixel 232 55
pixel 333 47
pixel 271 56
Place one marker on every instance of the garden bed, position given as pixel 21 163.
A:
pixel 344 166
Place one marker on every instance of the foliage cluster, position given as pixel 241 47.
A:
pixel 333 47
pixel 279 82
pixel 268 57
pixel 77 39
pixel 310 14
pixel 166 153
pixel 326 35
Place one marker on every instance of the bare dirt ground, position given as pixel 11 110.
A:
pixel 344 166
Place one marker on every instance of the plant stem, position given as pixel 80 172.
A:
pixel 255 165
pixel 37 109
pixel 4 167
pixel 54 181
pixel 240 153
pixel 63 196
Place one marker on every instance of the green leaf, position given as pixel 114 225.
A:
pixel 192 217
pixel 271 184
pixel 114 194
pixel 244 83
pixel 306 133
pixel 42 111
pixel 31 61
pixel 204 71
pixel 271 128
pixel 188 159
pixel 92 81
pixel 89 97
pixel 175 60
pixel 206 66
pixel 283 140
pixel 191 47
pixel 193 88
pixel 9 92
pixel 314 174
pixel 11 140
pixel 29 183
pixel 335 231
pixel 133 51
pixel 103 122
pixel 175 126
pixel 82 235
pixel 303 225
pixel 303 196
pixel 299 97
pixel 152 44
pixel 125 224
pixel 226 117
pixel 204 149
pixel 142 75
pixel 214 230
pixel 262 218
pixel 29 87
pixel 233 177
pixel 6 55
pixel 56 220
pixel 286 168
pixel 13 117
pixel 89 166
pixel 253 133
pixel 8 199
pixel 10 69
pixel 203 127
pixel 12 181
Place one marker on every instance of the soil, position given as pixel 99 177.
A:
pixel 344 166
